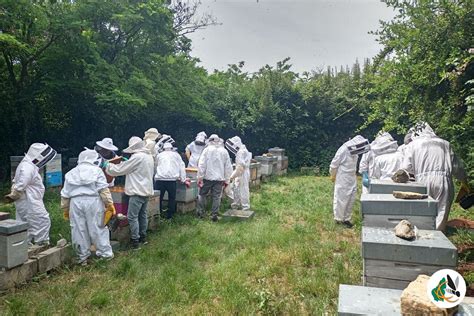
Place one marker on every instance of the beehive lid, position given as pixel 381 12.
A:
pixel 387 204
pixel 388 186
pixel 431 247
pixel 12 226
pixel 363 300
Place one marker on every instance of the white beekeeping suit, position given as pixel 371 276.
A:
pixel 433 162
pixel 194 149
pixel 388 159
pixel 84 195
pixel 366 165
pixel 241 174
pixel 28 190
pixel 343 172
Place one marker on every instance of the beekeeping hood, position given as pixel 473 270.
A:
pixel 358 145
pixel 40 154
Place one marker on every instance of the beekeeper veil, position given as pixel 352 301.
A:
pixel 40 154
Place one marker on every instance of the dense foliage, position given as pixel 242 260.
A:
pixel 74 72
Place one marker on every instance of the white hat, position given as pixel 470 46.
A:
pixel 167 146
pixel 135 144
pixel 89 156
pixel 152 134
pixel 107 143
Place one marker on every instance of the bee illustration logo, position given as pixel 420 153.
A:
pixel 443 291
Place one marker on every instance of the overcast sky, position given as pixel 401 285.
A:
pixel 314 33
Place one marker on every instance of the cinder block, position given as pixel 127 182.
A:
pixel 18 275
pixel 387 204
pixel 388 186
pixel 359 300
pixel 53 258
pixel 238 215
pixel 4 216
pixel 431 247
pixel 35 250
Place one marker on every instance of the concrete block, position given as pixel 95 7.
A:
pixel 359 300
pixel 53 258
pixel 388 186
pixel 13 249
pixel 18 275
pixel 431 247
pixel 387 204
pixel 189 207
pixel 237 215
pixel 390 221
pixel 12 226
pixel 4 216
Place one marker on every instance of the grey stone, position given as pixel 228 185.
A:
pixel 388 186
pixel 359 300
pixel 238 215
pixel 4 216
pixel 13 249
pixel 430 247
pixel 12 226
pixel 387 204
pixel 405 230
pixel 390 221
pixel 18 275
pixel 61 243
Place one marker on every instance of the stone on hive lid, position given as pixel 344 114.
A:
pixel 405 230
pixel 431 247
pixel 11 226
pixel 414 300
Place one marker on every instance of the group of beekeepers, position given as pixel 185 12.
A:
pixel 426 156
pixel 86 199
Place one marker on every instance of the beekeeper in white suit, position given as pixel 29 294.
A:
pixel 214 171
pixel 194 149
pixel 241 175
pixel 86 200
pixel 433 162
pixel 388 159
pixel 343 173
pixel 366 165
pixel 28 190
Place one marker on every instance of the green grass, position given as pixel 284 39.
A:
pixel 289 259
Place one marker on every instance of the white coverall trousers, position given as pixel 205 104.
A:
pixel 86 215
pixel 441 188
pixel 32 211
pixel 241 196
pixel 345 190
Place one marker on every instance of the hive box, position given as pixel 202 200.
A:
pixel 13 243
pixel 392 262
pixel 384 210
pixel 254 171
pixel 360 300
pixel 54 174
pixel 120 202
pixel 388 186
pixel 267 164
pixel 183 193
pixel 191 173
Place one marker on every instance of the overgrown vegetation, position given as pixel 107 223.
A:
pixel 74 72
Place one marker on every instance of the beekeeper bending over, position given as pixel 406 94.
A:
pixel 433 162
pixel 343 173
pixel 27 192
pixel 241 174
pixel 86 201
